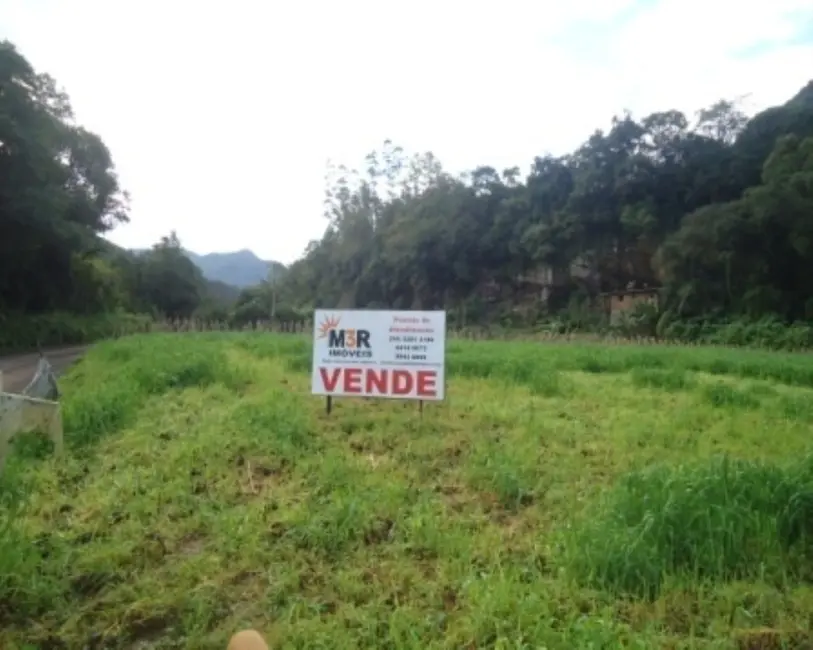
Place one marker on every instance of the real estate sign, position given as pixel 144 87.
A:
pixel 366 353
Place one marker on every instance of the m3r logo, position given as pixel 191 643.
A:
pixel 344 342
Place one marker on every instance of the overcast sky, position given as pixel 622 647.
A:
pixel 221 115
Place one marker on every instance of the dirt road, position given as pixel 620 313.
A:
pixel 19 369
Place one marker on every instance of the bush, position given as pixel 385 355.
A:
pixel 768 332
pixel 724 520
pixel 21 333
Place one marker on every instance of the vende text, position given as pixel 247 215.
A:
pixel 380 381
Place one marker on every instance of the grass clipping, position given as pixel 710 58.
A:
pixel 724 520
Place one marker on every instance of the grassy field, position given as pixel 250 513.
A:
pixel 564 496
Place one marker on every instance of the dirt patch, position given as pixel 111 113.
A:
pixel 455 497
pixel 191 544
pixel 381 531
pixel 257 475
pixel 143 632
pixel 449 598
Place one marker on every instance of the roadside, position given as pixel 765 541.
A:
pixel 18 369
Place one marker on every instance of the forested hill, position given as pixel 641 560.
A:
pixel 715 209
pixel 238 269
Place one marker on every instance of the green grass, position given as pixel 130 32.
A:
pixel 564 496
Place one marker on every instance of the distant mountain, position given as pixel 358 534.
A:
pixel 239 269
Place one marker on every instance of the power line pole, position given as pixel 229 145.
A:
pixel 272 273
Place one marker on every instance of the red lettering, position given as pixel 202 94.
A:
pixel 380 381
pixel 426 383
pixel 377 379
pixel 352 380
pixel 401 382
pixel 330 383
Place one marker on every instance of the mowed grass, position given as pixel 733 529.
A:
pixel 563 496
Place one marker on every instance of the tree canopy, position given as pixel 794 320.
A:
pixel 716 210
pixel 58 190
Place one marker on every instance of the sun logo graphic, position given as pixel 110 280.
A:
pixel 329 323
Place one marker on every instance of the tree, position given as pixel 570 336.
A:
pixel 169 280
pixel 58 191
pixel 753 255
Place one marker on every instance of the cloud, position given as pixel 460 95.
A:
pixel 689 52
pixel 221 115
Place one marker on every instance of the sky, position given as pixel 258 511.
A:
pixel 221 116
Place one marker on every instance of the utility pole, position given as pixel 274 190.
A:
pixel 272 276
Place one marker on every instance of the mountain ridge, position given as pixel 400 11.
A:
pixel 241 269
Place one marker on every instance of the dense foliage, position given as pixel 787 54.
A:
pixel 59 193
pixel 716 213
pixel 23 332
pixel 58 189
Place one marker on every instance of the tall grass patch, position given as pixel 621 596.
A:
pixel 535 372
pixel 25 589
pixel 721 395
pixel 496 359
pixel 723 520
pixel 797 407
pixel 104 392
pixel 296 351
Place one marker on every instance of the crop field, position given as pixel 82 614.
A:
pixel 564 496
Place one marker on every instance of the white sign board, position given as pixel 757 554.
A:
pixel 365 353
